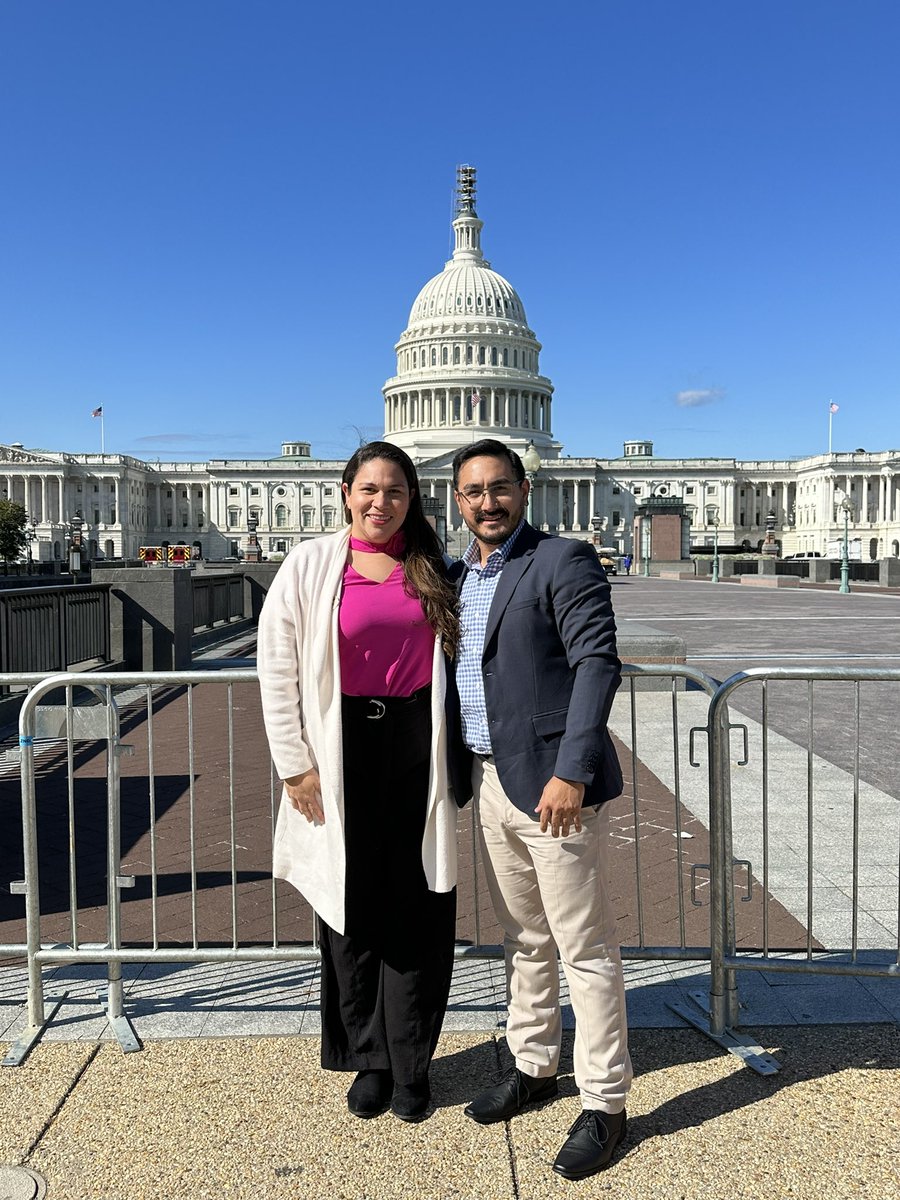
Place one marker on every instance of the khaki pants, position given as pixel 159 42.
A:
pixel 550 894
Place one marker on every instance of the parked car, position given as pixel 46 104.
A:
pixel 609 565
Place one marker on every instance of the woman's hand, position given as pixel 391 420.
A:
pixel 305 794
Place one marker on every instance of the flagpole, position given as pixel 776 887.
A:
pixel 102 433
pixel 830 419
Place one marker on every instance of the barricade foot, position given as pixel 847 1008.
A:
pixel 737 1044
pixel 118 1022
pixel 125 1035
pixel 21 1048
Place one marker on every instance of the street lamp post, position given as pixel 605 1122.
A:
pixel 531 461
pixel 436 518
pixel 76 533
pixel 252 555
pixel 712 518
pixel 846 509
pixel 32 526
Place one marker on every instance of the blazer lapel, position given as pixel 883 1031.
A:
pixel 520 559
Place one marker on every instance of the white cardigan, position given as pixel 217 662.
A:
pixel 300 682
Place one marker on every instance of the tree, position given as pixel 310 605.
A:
pixel 13 538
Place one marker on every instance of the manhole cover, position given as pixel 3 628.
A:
pixel 18 1183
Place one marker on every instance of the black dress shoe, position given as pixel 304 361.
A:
pixel 410 1100
pixel 590 1144
pixel 511 1096
pixel 370 1093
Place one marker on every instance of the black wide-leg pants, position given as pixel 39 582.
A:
pixel 385 981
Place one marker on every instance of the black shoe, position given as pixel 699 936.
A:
pixel 410 1100
pixel 590 1144
pixel 511 1096
pixel 370 1093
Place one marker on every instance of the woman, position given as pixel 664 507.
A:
pixel 352 641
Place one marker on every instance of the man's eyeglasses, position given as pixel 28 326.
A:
pixel 497 491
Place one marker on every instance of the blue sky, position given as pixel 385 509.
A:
pixel 216 216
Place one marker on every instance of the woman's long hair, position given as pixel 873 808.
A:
pixel 423 557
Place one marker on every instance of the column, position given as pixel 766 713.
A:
pixel 576 508
pixel 592 507
pixel 864 502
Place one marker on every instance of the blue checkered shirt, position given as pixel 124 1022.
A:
pixel 476 596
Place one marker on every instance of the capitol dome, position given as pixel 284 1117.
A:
pixel 467 362
pixel 464 288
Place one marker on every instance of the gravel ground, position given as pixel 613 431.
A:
pixel 252 1118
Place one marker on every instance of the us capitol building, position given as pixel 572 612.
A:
pixel 468 366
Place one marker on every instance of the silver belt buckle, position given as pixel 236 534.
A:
pixel 379 711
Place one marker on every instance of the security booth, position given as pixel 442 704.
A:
pixel 662 534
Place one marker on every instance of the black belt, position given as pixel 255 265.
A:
pixel 375 707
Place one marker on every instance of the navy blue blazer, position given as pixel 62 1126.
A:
pixel 550 672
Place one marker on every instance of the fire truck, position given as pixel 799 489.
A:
pixel 166 555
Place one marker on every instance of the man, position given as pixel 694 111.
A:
pixel 536 674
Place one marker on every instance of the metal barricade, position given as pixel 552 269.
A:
pixel 844 833
pixel 171 717
pixel 221 784
pixel 10 767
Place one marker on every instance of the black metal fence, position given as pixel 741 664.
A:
pixel 217 599
pixel 53 628
pixel 863 571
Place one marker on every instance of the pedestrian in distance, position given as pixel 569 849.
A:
pixel 626 563
pixel 353 641
pixel 535 677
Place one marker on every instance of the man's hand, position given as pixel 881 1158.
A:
pixel 305 794
pixel 560 807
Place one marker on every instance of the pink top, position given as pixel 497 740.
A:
pixel 386 644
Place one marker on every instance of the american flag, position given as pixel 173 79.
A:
pixel 832 407
pixel 474 401
pixel 97 412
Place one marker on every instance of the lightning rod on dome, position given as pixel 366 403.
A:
pixel 465 188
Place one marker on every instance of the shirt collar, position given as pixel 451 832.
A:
pixel 496 559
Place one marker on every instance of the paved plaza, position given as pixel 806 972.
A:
pixel 227 1100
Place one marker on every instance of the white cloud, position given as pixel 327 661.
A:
pixel 695 397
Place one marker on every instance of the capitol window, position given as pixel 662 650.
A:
pixel 307 518
pixel 456 355
pixel 433 356
pixel 281 516
pixel 493 356
pixel 444 356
